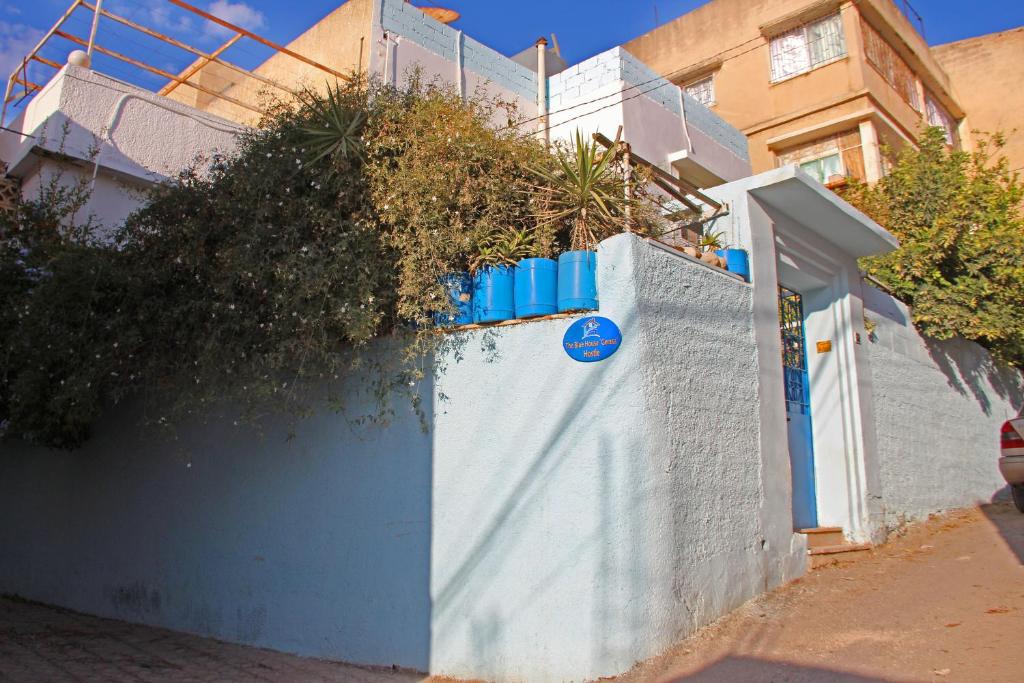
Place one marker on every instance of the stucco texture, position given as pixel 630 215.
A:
pixel 985 71
pixel 559 521
pixel 938 409
pixel 115 136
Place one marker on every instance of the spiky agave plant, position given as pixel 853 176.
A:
pixel 585 189
pixel 712 241
pixel 504 247
pixel 335 126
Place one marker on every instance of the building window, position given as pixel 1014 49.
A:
pixel 938 115
pixel 703 90
pixel 823 168
pixel 807 47
pixel 838 154
pixel 890 65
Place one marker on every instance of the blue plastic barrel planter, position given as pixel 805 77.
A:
pixel 737 261
pixel 536 287
pixel 577 281
pixel 493 294
pixel 459 288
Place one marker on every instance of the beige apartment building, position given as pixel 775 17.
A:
pixel 986 72
pixel 826 84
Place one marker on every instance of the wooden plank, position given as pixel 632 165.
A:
pixel 674 192
pixel 47 62
pixel 158 72
pixel 42 41
pixel 199 64
pixel 188 48
pixel 27 84
pixel 667 177
pixel 657 180
pixel 259 39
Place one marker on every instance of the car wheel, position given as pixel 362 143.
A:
pixel 1017 491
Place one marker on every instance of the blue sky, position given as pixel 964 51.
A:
pixel 583 27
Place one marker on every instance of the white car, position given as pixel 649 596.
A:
pixel 1011 460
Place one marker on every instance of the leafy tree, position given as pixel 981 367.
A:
pixel 960 264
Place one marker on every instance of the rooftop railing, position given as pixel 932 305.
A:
pixel 124 46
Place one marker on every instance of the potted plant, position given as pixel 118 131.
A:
pixel 584 191
pixel 458 291
pixel 709 244
pixel 493 275
pixel 735 261
pixel 536 280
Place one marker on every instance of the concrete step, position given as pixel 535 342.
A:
pixel 821 536
pixel 832 554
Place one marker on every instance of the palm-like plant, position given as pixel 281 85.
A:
pixel 712 241
pixel 585 189
pixel 503 247
pixel 335 126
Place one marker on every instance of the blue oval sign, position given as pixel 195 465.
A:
pixel 592 339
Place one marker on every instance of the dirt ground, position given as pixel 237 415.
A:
pixel 942 602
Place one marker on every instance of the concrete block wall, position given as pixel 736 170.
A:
pixel 402 18
pixel 584 79
pixel 938 409
pixel 614 88
pixel 700 117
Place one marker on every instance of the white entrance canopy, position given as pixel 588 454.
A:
pixel 794 193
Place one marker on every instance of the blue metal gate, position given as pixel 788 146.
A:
pixel 798 408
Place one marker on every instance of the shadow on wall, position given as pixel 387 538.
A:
pixel 969 368
pixel 1008 522
pixel 750 670
pixel 558 437
pixel 318 545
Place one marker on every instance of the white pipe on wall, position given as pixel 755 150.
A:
pixel 95 25
pixel 542 92
pixel 459 84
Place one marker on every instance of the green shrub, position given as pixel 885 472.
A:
pixel 960 264
pixel 258 274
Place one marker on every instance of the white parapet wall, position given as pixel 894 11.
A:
pixel 938 409
pixel 559 521
pixel 114 135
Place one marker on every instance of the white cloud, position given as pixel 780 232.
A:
pixel 153 14
pixel 237 13
pixel 16 41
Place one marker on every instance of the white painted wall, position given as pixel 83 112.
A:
pixel 804 237
pixel 127 136
pixel 560 522
pixel 613 88
pixel 112 197
pixel 621 505
pixel 938 409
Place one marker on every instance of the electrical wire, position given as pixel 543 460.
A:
pixel 668 76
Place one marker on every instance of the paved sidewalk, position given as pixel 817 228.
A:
pixel 944 602
pixel 39 643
